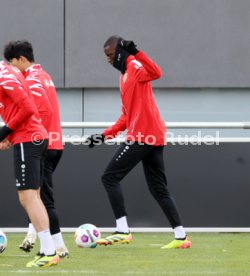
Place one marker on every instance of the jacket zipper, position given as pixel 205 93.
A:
pixel 125 109
pixel 133 125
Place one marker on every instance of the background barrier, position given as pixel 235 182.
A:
pixel 209 183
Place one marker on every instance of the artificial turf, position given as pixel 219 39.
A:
pixel 211 254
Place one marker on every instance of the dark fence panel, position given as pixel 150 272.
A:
pixel 209 183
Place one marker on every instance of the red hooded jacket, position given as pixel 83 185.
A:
pixel 140 115
pixel 17 108
pixel 45 97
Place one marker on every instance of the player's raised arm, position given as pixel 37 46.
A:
pixel 145 68
pixel 153 71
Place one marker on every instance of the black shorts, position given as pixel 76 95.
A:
pixel 29 164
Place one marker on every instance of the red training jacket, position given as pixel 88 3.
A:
pixel 140 115
pixel 17 108
pixel 45 97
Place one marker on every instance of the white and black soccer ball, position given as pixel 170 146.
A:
pixel 87 235
pixel 3 241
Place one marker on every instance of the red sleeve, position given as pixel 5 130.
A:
pixel 144 67
pixel 26 107
pixel 41 100
pixel 119 126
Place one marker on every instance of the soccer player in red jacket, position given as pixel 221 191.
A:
pixel 24 130
pixel 145 140
pixel 20 54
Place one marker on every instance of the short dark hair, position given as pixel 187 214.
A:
pixel 18 48
pixel 112 41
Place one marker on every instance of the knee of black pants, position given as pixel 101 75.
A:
pixel 49 205
pixel 109 180
pixel 159 191
pixel 47 201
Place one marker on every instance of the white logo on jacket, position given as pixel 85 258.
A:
pixel 138 65
pixel 49 83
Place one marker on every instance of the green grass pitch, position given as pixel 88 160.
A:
pixel 211 254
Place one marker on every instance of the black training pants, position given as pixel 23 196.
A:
pixel 125 159
pixel 51 161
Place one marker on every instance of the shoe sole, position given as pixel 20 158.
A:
pixel 114 242
pixel 50 264
pixel 53 262
pixel 46 265
pixel 185 245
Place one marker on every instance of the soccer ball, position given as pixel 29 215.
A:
pixel 86 236
pixel 3 241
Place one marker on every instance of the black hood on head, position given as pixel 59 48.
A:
pixel 120 57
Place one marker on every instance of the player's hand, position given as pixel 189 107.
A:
pixel 5 145
pixel 95 140
pixel 129 46
pixel 4 132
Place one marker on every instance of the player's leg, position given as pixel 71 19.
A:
pixel 29 241
pixel 154 170
pixel 32 205
pixel 36 211
pixel 28 171
pixel 51 161
pixel 125 159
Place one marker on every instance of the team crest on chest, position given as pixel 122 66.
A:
pixel 46 83
pixel 125 77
